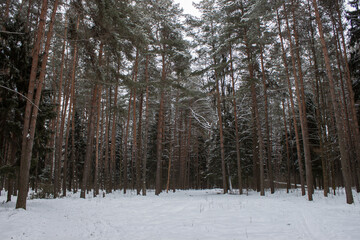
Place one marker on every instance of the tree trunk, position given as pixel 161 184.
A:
pixel 160 129
pixel 65 166
pixel 72 159
pixel 140 156
pixel 125 157
pixel 237 138
pixel 108 182
pixel 113 137
pixel 269 147
pixel 300 94
pixel 96 92
pixel 146 125
pixel 97 142
pixel 135 150
pixel 30 124
pixel 170 133
pixel 288 185
pixel 354 118
pixel 298 149
pixel 344 157
pixel 220 126
pixel 89 143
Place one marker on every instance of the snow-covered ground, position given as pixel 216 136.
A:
pixel 183 215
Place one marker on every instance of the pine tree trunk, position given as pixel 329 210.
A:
pixel 170 134
pixel 125 157
pixel 30 124
pixel 158 188
pixel 354 118
pixel 237 139
pixel 113 139
pixel 146 126
pixel 135 150
pixel 89 143
pixel 25 159
pixel 300 94
pixel 140 156
pixel 72 159
pixel 65 166
pixel 96 92
pixel 188 150
pixel 288 183
pixel 313 61
pixel 258 127
pixel 108 182
pixel 298 149
pixel 97 142
pixel 220 126
pixel 345 112
pixel 345 165
pixel 269 147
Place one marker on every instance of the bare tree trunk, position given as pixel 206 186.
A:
pixel 344 157
pixel 30 124
pixel 65 166
pixel 258 127
pixel 96 92
pixel 73 109
pixel 97 142
pixel 288 185
pixel 269 147
pixel 220 125
pixel 354 119
pixel 113 137
pixel 108 183
pixel 188 150
pixel 160 128
pixel 140 157
pixel 181 151
pixel 237 139
pixel 170 133
pixel 324 161
pixel 301 171
pixel 125 157
pixel 146 125
pixel 300 94
pixel 135 152
pixel 345 112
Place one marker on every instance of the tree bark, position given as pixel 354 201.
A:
pixel 146 126
pixel 125 157
pixel 30 124
pixel 135 150
pixel 96 92
pixel 288 184
pixel 354 118
pixel 300 94
pixel 220 126
pixel 338 118
pixel 237 138
pixel 269 147
pixel 113 137
pixel 97 142
pixel 298 149
pixel 160 128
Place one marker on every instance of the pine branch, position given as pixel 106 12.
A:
pixel 11 90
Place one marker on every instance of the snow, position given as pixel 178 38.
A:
pixel 184 215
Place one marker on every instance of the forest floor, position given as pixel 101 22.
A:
pixel 183 215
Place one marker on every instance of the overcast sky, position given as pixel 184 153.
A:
pixel 187 6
